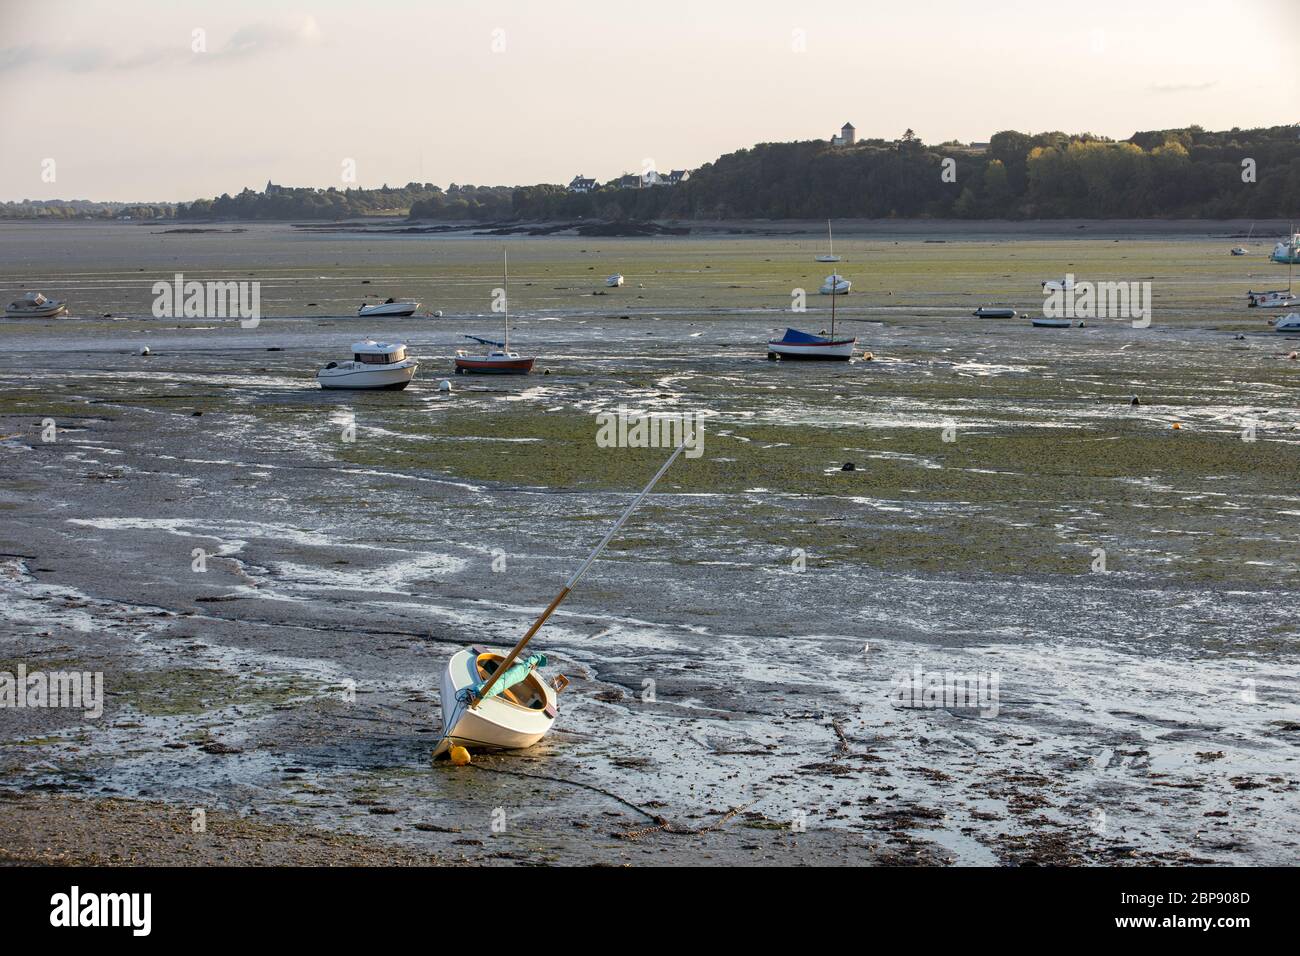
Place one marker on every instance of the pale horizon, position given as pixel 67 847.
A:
pixel 507 94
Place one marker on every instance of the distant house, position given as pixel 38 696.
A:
pixel 675 177
pixel 847 136
pixel 979 147
pixel 580 185
pixel 272 189
pixel 628 181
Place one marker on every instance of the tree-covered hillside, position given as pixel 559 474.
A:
pixel 1183 173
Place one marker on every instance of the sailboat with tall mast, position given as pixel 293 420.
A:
pixel 1277 298
pixel 498 702
pixel 804 345
pixel 830 255
pixel 498 360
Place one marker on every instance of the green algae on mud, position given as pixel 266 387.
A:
pixel 191 691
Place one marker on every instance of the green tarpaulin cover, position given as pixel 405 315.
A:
pixel 517 672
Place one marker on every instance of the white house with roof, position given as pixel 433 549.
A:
pixel 580 185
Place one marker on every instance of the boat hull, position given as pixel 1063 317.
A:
pixel 1288 323
pixel 1051 323
pixel 496 723
pixel 358 375
pixel 398 310
pixel 484 366
pixel 40 312
pixel 992 313
pixel 840 350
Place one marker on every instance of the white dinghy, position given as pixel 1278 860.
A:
pixel 495 702
pixel 615 280
pixel 836 284
pixel 1288 323
pixel 35 306
pixel 374 365
pixel 390 307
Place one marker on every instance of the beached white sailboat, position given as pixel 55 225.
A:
pixel 1275 298
pixel 498 360
pixel 1241 250
pixel 1288 323
pixel 830 244
pixel 34 305
pixel 497 702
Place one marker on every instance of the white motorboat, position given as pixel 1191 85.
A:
pixel 1288 323
pixel 836 284
pixel 33 305
pixel 490 701
pixel 830 255
pixel 1239 251
pixel 1059 285
pixel 615 280
pixel 374 365
pixel 1046 323
pixel 389 307
pixel 994 312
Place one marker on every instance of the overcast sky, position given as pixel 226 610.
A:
pixel 508 92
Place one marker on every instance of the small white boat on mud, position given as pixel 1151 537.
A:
pixel 374 365
pixel 35 306
pixel 1045 323
pixel 615 280
pixel 994 312
pixel 1059 285
pixel 392 308
pixel 829 255
pixel 1239 251
pixel 491 701
pixel 836 284
pixel 1288 323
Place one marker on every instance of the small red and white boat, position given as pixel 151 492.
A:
pixel 498 360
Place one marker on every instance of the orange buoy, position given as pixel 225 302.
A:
pixel 459 756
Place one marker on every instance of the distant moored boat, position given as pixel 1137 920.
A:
pixel 390 307
pixel 35 306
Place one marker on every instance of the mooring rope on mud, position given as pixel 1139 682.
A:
pixel 661 823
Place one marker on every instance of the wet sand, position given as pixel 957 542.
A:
pixel 726 705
